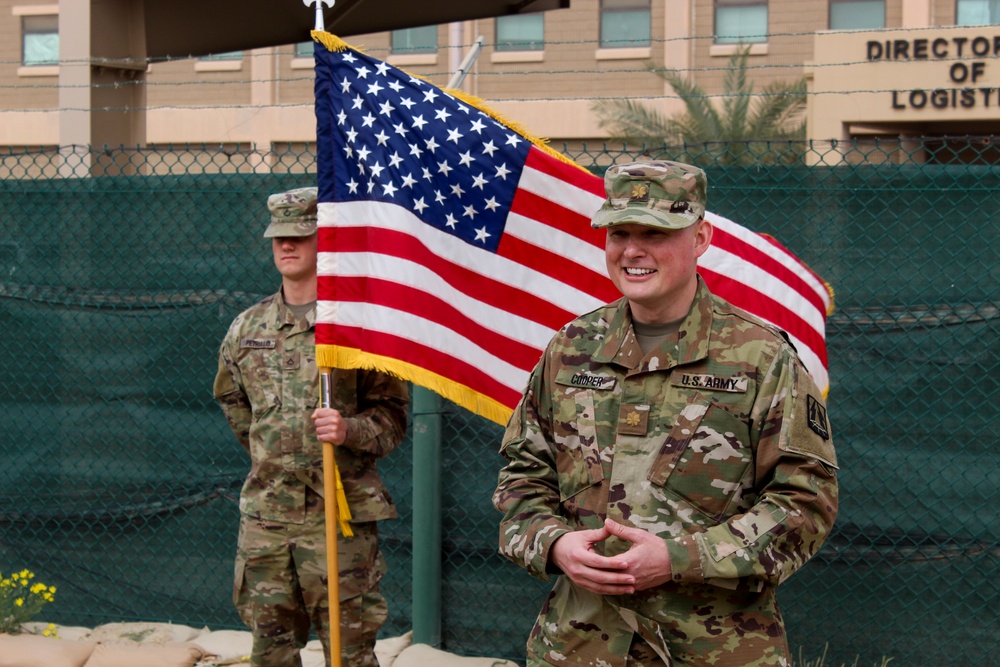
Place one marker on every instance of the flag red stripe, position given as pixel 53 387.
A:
pixel 562 268
pixel 429 358
pixel 476 285
pixel 746 297
pixel 429 307
pixel 737 246
pixel 569 173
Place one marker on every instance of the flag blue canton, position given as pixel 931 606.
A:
pixel 400 140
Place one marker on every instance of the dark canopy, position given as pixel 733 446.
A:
pixel 196 27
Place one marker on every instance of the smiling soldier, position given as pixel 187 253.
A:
pixel 670 460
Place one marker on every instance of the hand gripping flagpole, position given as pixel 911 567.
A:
pixel 332 486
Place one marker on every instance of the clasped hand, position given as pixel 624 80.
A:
pixel 644 565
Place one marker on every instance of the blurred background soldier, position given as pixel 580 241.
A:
pixel 267 385
pixel 670 458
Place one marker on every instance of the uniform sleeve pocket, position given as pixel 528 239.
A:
pixel 579 457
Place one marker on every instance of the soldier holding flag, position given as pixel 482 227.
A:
pixel 267 385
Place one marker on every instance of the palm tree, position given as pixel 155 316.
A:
pixel 736 130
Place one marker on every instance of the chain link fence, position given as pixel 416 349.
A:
pixel 120 477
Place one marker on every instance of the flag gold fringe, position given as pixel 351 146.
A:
pixel 343 511
pixel 336 356
pixel 330 41
pixel 334 43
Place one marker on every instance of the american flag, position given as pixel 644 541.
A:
pixel 452 246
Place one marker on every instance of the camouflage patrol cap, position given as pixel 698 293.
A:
pixel 293 213
pixel 659 193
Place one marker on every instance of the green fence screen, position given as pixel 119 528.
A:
pixel 119 476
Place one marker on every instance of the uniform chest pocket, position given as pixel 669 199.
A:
pixel 262 386
pixel 706 459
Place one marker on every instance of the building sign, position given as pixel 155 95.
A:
pixel 964 61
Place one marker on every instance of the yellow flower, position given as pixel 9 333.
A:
pixel 19 602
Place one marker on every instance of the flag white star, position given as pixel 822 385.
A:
pixel 442 114
pixel 377 169
pixel 382 138
pixel 444 167
pixel 478 126
pixel 383 68
pixel 357 102
pixel 491 204
pixel 375 88
pixel 386 108
pixel 465 159
pixel 430 96
pixel 513 140
pixel 451 221
pixel 341 117
pixel 415 150
pixel 419 122
pixel 400 129
pixel 454 135
pixel 438 197
pixel 395 160
pixel 345 85
pixel 427 176
pixel 502 171
pixel 409 181
pixel 363 72
pixel 419 205
pixel 368 120
pixel 407 102
pixel 352 185
pixel 482 234
pixel 388 189
pixel 471 212
pixel 352 135
pixel 431 144
pixel 457 190
pixel 479 181
pixel 489 148
pixel 363 153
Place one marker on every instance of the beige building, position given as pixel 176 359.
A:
pixel 885 68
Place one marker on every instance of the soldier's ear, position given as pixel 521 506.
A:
pixel 702 236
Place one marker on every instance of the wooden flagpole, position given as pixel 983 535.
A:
pixel 330 490
pixel 330 508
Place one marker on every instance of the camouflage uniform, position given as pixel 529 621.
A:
pixel 717 441
pixel 267 385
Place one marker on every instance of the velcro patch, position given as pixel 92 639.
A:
pixel 250 343
pixel 588 380
pixel 816 418
pixel 633 419
pixel 713 382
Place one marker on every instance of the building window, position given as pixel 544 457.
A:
pixel 740 21
pixel 522 32
pixel 40 40
pixel 415 40
pixel 228 55
pixel 625 23
pixel 857 14
pixel 978 12
pixel 304 49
